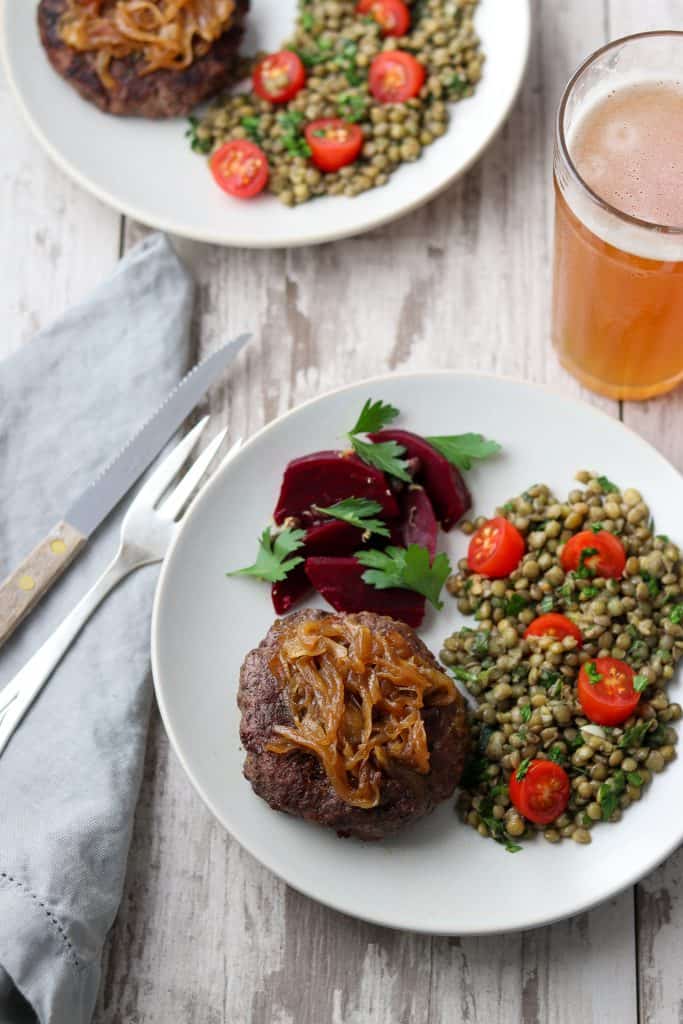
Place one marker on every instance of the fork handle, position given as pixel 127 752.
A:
pixel 22 591
pixel 17 697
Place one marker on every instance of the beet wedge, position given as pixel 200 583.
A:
pixel 325 478
pixel 339 581
pixel 443 483
pixel 332 537
pixel 418 522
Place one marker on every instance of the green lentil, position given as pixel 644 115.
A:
pixel 337 47
pixel 630 618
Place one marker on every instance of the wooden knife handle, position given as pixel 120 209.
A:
pixel 22 591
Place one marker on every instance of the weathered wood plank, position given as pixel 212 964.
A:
pixel 56 241
pixel 659 898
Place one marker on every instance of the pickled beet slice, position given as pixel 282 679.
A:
pixel 329 538
pixel 418 522
pixel 325 478
pixel 340 582
pixel 442 481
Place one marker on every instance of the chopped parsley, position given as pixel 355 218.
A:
pixel 523 769
pixel 635 735
pixel 197 145
pixel 547 604
pixel 588 592
pixel 640 683
pixel 635 779
pixel 351 106
pixel 592 672
pixel 514 604
pixel 346 60
pixel 480 647
pixel 252 126
pixel 676 614
pixel 557 755
pixel 584 571
pixel 525 712
pixel 653 584
pixel 607 486
pixel 597 527
pixel 291 123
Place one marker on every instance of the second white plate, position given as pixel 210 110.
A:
pixel 147 171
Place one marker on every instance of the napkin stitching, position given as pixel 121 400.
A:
pixel 70 953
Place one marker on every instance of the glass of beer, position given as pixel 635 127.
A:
pixel 618 176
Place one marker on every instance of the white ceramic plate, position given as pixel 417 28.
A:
pixel 439 876
pixel 146 169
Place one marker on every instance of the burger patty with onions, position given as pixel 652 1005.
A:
pixel 140 59
pixel 348 721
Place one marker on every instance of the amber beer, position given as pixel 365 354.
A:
pixel 618 275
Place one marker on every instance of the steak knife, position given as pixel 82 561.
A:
pixel 23 589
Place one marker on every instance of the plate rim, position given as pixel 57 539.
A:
pixel 246 242
pixel 534 920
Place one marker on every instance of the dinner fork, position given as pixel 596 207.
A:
pixel 146 534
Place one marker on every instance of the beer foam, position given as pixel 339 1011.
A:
pixel 616 165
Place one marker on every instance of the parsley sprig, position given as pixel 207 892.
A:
pixel 592 672
pixel 388 456
pixel 358 512
pixel 407 569
pixel 462 450
pixel 273 561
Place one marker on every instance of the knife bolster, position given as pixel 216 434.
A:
pixel 22 591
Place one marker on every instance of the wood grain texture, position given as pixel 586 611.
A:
pixel 205 934
pixel 30 581
pixel 56 241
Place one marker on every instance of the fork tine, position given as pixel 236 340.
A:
pixel 160 479
pixel 177 499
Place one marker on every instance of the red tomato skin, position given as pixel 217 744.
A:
pixel 397 63
pixel 554 624
pixel 541 776
pixel 236 157
pixel 285 62
pixel 392 15
pixel 506 546
pixel 328 153
pixel 595 697
pixel 610 560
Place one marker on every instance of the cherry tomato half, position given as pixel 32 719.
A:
pixel 601 554
pixel 334 143
pixel 392 16
pixel 279 77
pixel 542 793
pixel 240 168
pixel 495 549
pixel 555 625
pixel 605 690
pixel 395 76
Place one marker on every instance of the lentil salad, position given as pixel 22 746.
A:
pixel 528 707
pixel 339 48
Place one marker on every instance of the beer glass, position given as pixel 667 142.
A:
pixel 617 321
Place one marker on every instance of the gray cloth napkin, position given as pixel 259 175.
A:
pixel 70 776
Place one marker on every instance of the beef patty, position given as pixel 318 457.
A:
pixel 162 93
pixel 297 783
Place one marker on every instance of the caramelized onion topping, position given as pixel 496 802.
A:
pixel 356 697
pixel 166 33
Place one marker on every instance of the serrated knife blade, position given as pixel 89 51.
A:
pixel 22 590
pixel 121 472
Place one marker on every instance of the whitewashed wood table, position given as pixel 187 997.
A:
pixel 205 935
